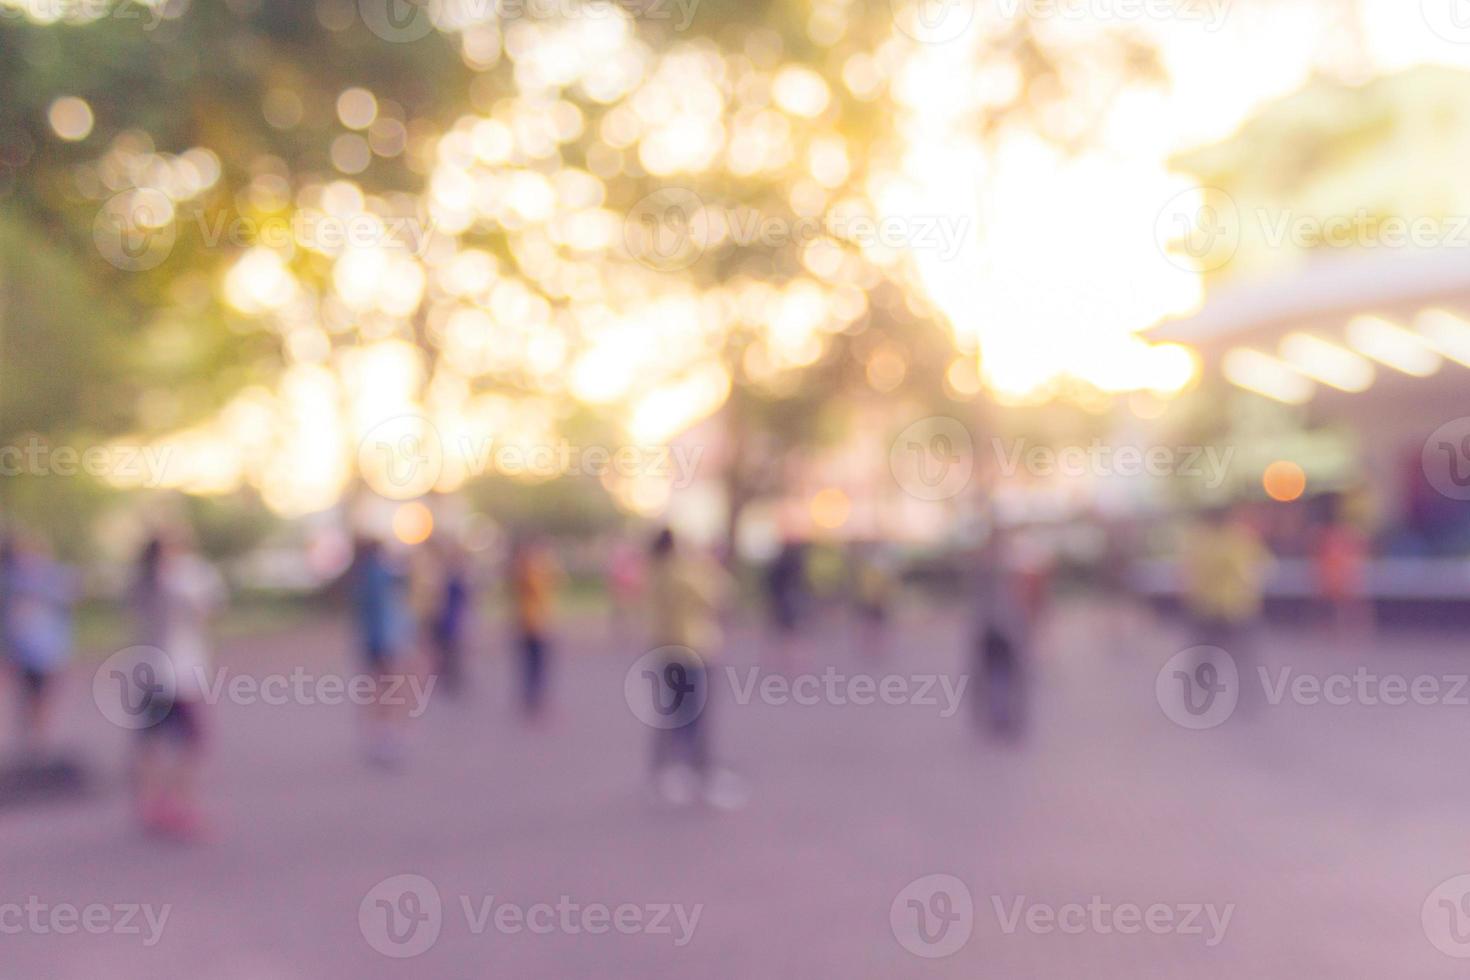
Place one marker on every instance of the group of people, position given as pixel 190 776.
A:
pixel 414 606
pixel 427 595
pixel 423 600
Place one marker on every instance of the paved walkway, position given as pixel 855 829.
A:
pixel 1320 830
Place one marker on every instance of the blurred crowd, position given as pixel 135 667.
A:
pixel 413 611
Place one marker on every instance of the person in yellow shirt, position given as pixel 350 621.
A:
pixel 686 594
pixel 534 580
pixel 1225 565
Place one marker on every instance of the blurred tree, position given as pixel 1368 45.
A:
pixel 775 124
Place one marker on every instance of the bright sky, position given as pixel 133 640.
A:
pixel 1065 251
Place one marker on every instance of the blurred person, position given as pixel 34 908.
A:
pixel 36 597
pixel 686 595
pixel 424 590
pixel 1340 559
pixel 1225 566
pixel 384 626
pixel 175 594
pixel 451 609
pixel 786 596
pixel 535 578
pixel 1005 606
pixel 873 587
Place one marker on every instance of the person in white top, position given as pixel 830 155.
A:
pixel 175 594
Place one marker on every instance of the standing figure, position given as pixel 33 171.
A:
pixel 534 579
pixel 175 594
pixel 786 593
pixel 384 628
pixel 1005 605
pixel 686 593
pixel 36 596
pixel 451 610
pixel 1225 565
